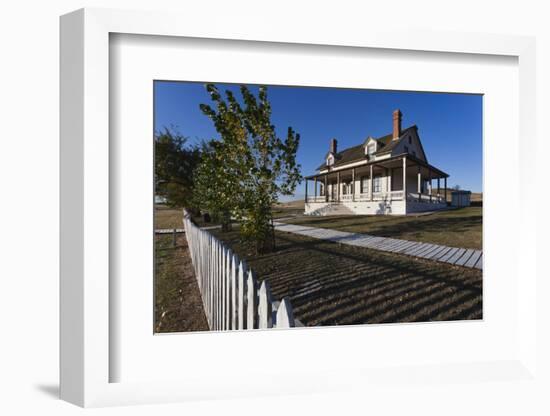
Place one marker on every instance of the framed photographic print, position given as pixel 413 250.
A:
pixel 317 213
pixel 349 244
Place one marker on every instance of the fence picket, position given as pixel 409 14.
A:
pixel 219 291
pixel 234 292
pixel 229 258
pixel 251 301
pixel 241 295
pixel 211 283
pixel 285 314
pixel 223 288
pixel 265 308
pixel 217 287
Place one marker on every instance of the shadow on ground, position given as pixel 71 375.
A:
pixel 337 284
pixel 51 390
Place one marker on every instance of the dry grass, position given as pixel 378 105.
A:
pixel 178 304
pixel 332 284
pixel 166 217
pixel 284 209
pixel 476 197
pixel 456 228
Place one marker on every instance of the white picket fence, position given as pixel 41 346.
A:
pixel 231 296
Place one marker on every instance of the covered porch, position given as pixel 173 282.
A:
pixel 400 178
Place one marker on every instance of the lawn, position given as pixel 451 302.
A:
pixel 333 284
pixel 456 228
pixel 178 304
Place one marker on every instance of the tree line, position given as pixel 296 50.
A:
pixel 237 176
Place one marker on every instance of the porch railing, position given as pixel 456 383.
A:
pixel 415 196
pixel 380 196
pixel 316 199
pixel 364 196
pixel 396 194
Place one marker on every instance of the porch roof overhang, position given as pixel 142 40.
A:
pixel 416 162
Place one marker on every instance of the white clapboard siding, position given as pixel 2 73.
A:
pixel 231 294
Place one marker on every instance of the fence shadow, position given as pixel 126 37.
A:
pixel 333 284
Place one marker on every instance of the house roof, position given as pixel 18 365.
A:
pixel 357 153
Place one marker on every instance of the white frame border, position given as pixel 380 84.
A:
pixel 84 182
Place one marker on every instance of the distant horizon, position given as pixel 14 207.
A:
pixel 449 124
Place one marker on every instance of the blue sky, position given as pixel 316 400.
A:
pixel 450 125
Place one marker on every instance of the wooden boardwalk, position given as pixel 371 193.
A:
pixel 457 256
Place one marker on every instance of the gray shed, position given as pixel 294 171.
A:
pixel 460 198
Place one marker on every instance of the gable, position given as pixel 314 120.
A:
pixel 370 146
pixel 410 143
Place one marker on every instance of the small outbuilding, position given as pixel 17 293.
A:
pixel 460 198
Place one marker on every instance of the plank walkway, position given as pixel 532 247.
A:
pixel 453 255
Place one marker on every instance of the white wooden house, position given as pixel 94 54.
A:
pixel 389 175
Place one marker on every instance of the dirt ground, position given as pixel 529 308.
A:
pixel 178 303
pixel 332 284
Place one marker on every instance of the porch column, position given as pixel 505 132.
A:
pixel 338 186
pixel 404 178
pixel 353 184
pixel 326 188
pixel 419 186
pixel 306 190
pixel 390 174
pixel 370 182
pixel 315 191
pixel 430 180
pixel 438 189
pixel 445 183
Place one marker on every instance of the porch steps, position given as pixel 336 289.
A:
pixel 457 256
pixel 332 209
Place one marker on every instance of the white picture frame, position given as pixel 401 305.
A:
pixel 86 355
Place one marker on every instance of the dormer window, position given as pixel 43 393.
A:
pixel 371 148
pixel 330 160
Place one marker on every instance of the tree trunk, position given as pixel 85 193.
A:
pixel 225 220
pixel 265 245
pixel 265 237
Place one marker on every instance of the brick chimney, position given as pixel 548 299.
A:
pixel 397 124
pixel 333 146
